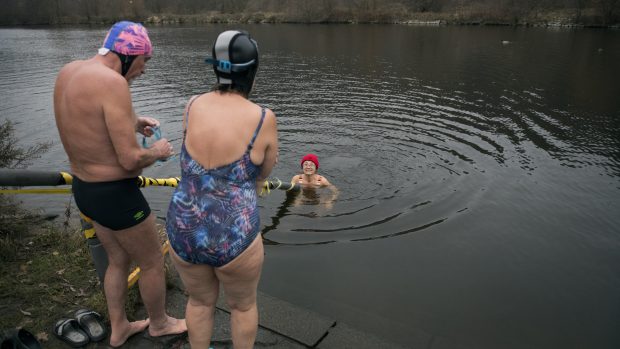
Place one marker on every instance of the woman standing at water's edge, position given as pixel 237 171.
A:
pixel 230 146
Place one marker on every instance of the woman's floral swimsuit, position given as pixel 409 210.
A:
pixel 213 216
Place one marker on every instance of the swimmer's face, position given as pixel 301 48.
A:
pixel 138 67
pixel 309 168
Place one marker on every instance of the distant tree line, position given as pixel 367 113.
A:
pixel 511 12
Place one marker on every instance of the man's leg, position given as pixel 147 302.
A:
pixel 115 288
pixel 141 244
pixel 240 280
pixel 203 289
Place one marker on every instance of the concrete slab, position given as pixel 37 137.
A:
pixel 264 339
pixel 282 326
pixel 286 319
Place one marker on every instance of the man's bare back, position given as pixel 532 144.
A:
pixel 96 121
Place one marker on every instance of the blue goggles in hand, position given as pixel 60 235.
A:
pixel 156 135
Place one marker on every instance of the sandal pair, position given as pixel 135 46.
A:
pixel 87 326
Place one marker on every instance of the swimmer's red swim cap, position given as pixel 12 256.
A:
pixel 310 157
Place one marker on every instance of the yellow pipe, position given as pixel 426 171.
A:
pixel 89 231
pixel 135 274
pixel 67 177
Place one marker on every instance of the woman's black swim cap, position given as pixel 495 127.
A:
pixel 235 59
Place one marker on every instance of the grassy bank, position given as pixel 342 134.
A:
pixel 46 273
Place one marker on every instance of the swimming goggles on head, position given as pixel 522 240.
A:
pixel 228 67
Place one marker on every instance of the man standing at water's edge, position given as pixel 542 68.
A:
pixel 97 125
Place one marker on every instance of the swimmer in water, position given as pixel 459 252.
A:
pixel 310 179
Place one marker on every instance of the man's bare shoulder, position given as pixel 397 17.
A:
pixel 92 72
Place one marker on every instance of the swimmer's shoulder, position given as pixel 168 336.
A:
pixel 324 182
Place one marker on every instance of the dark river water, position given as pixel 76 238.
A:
pixel 479 179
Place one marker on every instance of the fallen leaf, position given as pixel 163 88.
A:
pixel 55 253
pixel 23 268
pixel 25 312
pixel 61 271
pixel 42 285
pixel 29 262
pixel 42 336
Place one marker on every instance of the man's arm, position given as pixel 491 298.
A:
pixel 121 124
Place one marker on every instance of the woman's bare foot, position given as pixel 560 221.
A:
pixel 119 338
pixel 171 326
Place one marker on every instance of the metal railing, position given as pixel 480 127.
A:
pixel 26 178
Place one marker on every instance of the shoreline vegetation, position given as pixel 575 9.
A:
pixel 544 13
pixel 46 269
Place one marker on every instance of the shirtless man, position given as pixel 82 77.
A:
pixel 97 125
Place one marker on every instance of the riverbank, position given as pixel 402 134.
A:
pixel 50 275
pixel 584 18
pixel 565 18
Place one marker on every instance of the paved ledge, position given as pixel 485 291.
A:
pixel 282 325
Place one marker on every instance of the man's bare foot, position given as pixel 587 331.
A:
pixel 171 326
pixel 119 338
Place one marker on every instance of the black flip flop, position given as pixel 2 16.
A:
pixel 20 339
pixel 92 323
pixel 69 331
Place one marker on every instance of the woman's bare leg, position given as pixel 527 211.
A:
pixel 203 287
pixel 240 281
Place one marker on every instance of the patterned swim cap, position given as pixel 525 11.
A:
pixel 127 38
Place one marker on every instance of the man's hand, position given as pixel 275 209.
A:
pixel 145 124
pixel 162 148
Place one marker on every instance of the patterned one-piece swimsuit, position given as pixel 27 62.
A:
pixel 213 216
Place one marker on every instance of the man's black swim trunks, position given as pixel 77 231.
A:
pixel 116 205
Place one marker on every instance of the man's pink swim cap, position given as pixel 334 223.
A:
pixel 310 157
pixel 127 38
